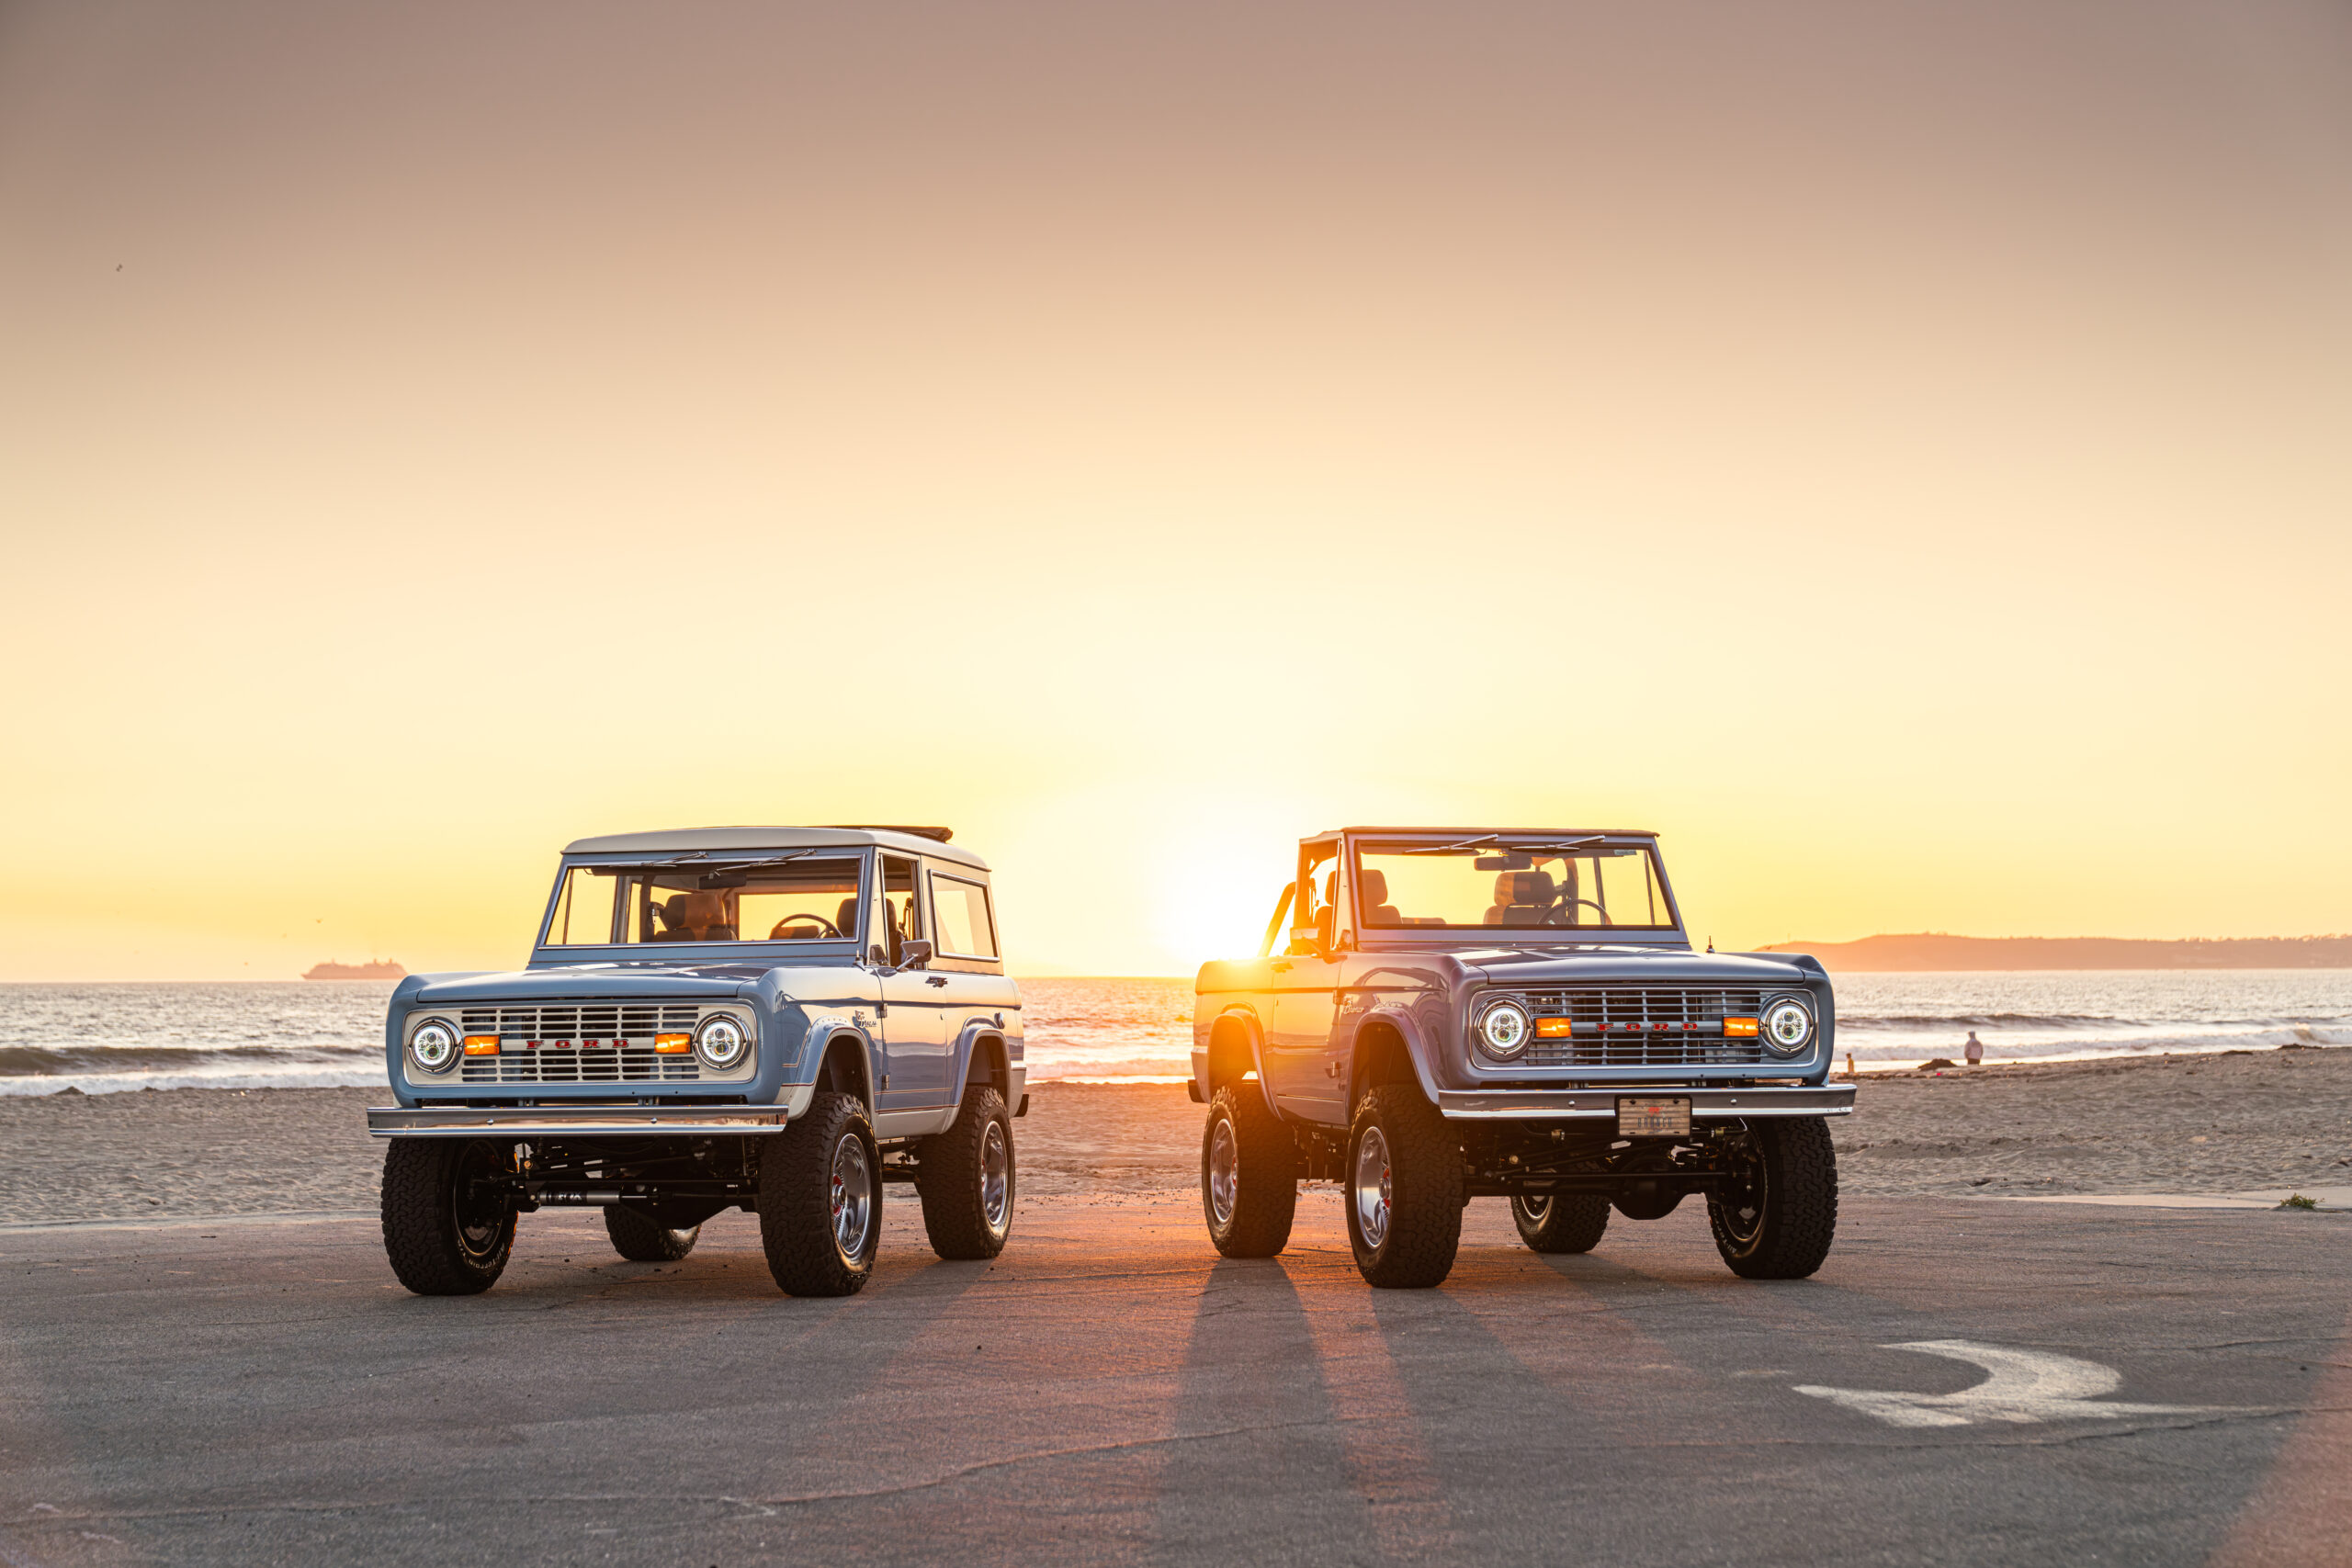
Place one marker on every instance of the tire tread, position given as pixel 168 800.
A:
pixel 1426 1202
pixel 1801 1203
pixel 419 1231
pixel 1267 1202
pixel 643 1240
pixel 1576 1224
pixel 796 1200
pixel 949 1184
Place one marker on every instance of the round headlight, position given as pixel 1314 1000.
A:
pixel 1788 1026
pixel 722 1041
pixel 1502 1030
pixel 433 1047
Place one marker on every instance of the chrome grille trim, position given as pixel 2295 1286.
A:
pixel 1644 1027
pixel 591 1041
pixel 576 1020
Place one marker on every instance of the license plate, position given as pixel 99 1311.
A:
pixel 1642 1117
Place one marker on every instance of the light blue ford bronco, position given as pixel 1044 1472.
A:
pixel 779 1019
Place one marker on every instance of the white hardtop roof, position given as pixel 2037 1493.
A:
pixel 686 841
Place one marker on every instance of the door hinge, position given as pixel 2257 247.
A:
pixel 886 1080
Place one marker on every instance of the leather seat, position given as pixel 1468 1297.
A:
pixel 1521 898
pixel 695 917
pixel 1377 910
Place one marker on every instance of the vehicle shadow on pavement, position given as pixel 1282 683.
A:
pixel 1255 1423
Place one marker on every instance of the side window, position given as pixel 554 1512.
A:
pixel 959 911
pixel 901 911
pixel 1313 918
pixel 584 909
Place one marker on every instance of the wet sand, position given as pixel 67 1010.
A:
pixel 2221 1124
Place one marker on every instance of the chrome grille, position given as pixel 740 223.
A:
pixel 581 1021
pixel 1644 1028
pixel 585 1042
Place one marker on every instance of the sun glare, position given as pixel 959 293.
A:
pixel 1218 875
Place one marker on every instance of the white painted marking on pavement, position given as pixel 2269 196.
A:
pixel 2025 1386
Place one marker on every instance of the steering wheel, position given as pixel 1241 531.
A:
pixel 829 929
pixel 1559 915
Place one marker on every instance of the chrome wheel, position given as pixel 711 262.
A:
pixel 1373 1189
pixel 1224 1172
pixel 996 1178
pixel 853 1196
pixel 1534 1211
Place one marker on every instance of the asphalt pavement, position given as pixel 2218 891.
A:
pixel 1965 1383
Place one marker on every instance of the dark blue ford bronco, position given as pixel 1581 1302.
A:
pixel 1439 1014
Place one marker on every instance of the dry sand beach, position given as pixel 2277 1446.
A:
pixel 2222 1124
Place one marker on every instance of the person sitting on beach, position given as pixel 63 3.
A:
pixel 1975 1050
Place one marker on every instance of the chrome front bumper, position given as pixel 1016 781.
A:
pixel 1601 1104
pixel 585 1121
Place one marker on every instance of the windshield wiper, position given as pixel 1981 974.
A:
pixel 1517 846
pixel 701 859
pixel 1483 840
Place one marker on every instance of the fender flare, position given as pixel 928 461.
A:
pixel 978 1036
pixel 1416 1048
pixel 1254 1032
pixel 863 1047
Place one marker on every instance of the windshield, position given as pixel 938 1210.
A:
pixel 801 899
pixel 1589 886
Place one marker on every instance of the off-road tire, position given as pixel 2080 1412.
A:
pixel 640 1240
pixel 1561 1222
pixel 1263 1199
pixel 953 1181
pixel 1420 1228
pixel 797 1200
pixel 1780 1228
pixel 431 1250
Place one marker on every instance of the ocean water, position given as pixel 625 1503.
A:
pixel 107 1038
pixel 259 1034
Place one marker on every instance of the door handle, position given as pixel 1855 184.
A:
pixel 934 979
pixel 1280 968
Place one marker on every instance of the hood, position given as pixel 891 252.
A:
pixel 591 981
pixel 1639 965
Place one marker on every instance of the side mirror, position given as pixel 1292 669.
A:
pixel 914 954
pixel 1314 938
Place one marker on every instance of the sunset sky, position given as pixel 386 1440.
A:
pixel 1903 454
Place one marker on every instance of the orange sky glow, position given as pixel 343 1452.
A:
pixel 1902 454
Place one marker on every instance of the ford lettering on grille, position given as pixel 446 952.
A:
pixel 595 1041
pixel 1643 1028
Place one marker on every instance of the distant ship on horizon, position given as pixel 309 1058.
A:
pixel 374 969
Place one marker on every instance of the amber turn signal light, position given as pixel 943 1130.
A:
pixel 1739 1026
pixel 1553 1028
pixel 482 1044
pixel 679 1044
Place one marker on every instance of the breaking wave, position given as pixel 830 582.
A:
pixel 110 1038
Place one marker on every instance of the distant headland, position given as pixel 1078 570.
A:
pixel 374 969
pixel 1933 950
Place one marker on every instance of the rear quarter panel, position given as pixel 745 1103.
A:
pixel 1223 986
